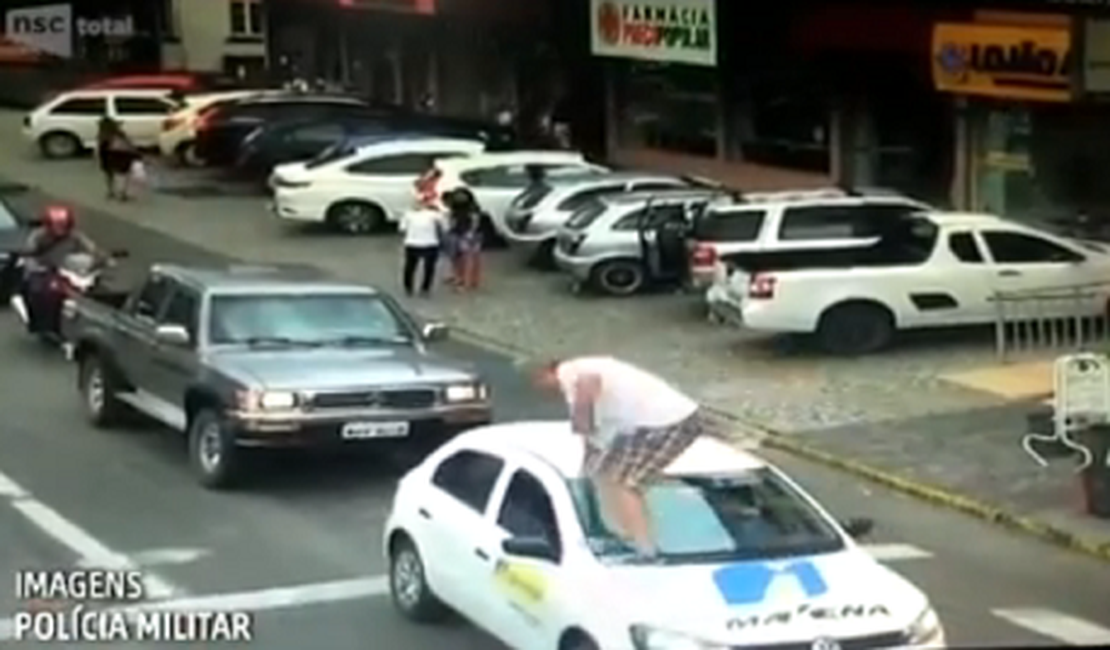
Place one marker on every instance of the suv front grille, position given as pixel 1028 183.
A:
pixel 414 398
pixel 871 642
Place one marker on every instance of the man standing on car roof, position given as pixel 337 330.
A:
pixel 634 425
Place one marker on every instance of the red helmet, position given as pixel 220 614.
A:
pixel 58 218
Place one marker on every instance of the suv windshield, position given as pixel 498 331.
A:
pixel 586 215
pixel 330 319
pixel 716 518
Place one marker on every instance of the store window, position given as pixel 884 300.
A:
pixel 246 18
pixel 668 106
pixel 782 122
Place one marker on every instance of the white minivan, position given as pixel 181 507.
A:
pixel 66 125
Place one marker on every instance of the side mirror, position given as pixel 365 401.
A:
pixel 174 335
pixel 434 331
pixel 536 548
pixel 859 527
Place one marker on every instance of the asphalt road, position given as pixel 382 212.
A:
pixel 309 521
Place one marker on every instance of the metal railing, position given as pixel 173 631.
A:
pixel 1071 318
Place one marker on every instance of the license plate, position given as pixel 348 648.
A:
pixel 369 430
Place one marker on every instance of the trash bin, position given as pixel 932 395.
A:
pixel 1095 478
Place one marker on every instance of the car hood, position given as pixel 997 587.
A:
pixel 840 595
pixel 291 170
pixel 337 368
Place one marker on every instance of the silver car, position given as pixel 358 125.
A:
pixel 535 216
pixel 607 245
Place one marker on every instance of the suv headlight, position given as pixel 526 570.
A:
pixel 645 637
pixel 469 392
pixel 926 629
pixel 267 400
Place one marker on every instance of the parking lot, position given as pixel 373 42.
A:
pixel 302 546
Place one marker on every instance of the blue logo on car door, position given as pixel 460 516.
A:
pixel 749 582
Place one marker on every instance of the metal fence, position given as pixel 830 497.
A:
pixel 1070 318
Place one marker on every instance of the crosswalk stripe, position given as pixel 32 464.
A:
pixel 1054 625
pixel 895 552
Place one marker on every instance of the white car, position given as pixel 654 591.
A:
pixel 497 178
pixel 179 129
pixel 534 217
pixel 937 270
pixel 66 125
pixel 357 187
pixel 500 526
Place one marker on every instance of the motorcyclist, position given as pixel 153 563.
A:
pixel 46 249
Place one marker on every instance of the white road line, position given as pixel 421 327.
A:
pixel 1054 625
pixel 9 489
pixel 256 601
pixel 90 551
pixel 895 552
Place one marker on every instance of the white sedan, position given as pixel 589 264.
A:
pixel 500 526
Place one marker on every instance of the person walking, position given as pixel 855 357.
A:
pixel 106 129
pixel 423 231
pixel 464 239
pixel 634 425
pixel 121 156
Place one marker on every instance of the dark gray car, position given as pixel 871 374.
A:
pixel 254 357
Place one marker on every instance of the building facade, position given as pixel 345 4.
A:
pixel 219 36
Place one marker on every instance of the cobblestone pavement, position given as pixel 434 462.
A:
pixel 890 411
pixel 757 377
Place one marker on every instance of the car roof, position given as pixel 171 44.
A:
pixel 968 219
pixel 588 179
pixel 248 278
pixel 499 159
pixel 666 195
pixel 108 92
pixel 295 98
pixel 363 142
pixel 553 443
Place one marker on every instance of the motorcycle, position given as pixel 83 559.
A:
pixel 78 274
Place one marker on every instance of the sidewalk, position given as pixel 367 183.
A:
pixel 894 417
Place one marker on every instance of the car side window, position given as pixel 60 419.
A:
pixel 527 510
pixel 1019 248
pixel 322 134
pixel 83 106
pixel 184 310
pixel 398 165
pixel 965 248
pixel 141 106
pixel 575 201
pixel 633 220
pixel 469 476
pixel 149 300
pixel 730 226
pixel 835 221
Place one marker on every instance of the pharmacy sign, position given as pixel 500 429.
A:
pixel 669 31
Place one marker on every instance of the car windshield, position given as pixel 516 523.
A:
pixel 531 197
pixel 716 518
pixel 295 319
pixel 585 215
pixel 7 218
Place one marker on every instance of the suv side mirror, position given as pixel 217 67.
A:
pixel 174 335
pixel 859 527
pixel 434 331
pixel 536 548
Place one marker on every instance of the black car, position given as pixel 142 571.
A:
pixel 274 143
pixel 13 234
pixel 222 127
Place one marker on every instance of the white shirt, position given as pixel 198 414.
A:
pixel 630 398
pixel 421 227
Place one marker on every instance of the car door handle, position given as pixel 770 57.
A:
pixel 1009 274
pixel 481 554
pixel 424 513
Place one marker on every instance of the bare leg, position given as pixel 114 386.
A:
pixel 629 508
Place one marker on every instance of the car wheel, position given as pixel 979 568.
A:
pixel 855 328
pixel 212 451
pixel 99 386
pixel 187 155
pixel 619 277
pixel 59 145
pixel 408 584
pixel 578 641
pixel 490 237
pixel 544 256
pixel 356 217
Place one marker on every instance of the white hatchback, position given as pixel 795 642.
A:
pixel 500 525
pixel 359 186
pixel 66 125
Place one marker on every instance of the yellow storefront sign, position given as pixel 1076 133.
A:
pixel 1005 61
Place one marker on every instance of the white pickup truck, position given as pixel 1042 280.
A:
pixel 931 270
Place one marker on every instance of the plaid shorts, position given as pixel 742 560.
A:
pixel 643 455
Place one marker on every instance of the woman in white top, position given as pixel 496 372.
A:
pixel 422 229
pixel 634 426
